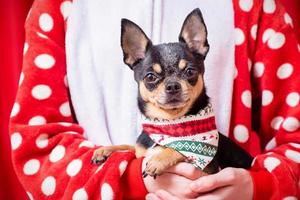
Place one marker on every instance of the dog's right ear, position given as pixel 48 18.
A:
pixel 134 42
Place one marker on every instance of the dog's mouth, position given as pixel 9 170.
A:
pixel 174 102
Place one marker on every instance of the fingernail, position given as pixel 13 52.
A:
pixel 150 197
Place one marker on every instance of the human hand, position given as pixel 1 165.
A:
pixel 229 183
pixel 175 180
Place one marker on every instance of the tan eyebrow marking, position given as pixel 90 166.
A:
pixel 182 64
pixel 157 68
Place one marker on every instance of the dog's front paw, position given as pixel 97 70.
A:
pixel 156 166
pixel 100 155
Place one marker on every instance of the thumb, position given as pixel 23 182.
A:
pixel 208 183
pixel 186 170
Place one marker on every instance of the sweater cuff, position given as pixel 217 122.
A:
pixel 263 184
pixel 132 182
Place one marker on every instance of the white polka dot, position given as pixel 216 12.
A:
pixel 246 5
pixel 21 78
pixel 80 194
pixel 25 48
pixel 66 124
pixel 271 144
pixel 267 97
pixel 254 31
pixel 276 122
pixel 241 133
pixel 57 153
pixel 65 110
pixel 71 132
pixel 249 64
pixel 235 72
pixel 66 81
pixel 290 124
pixel 239 36
pixel 290 198
pixel 41 92
pixel 48 186
pixel 74 167
pixel 65 9
pixel 296 145
pixel 268 34
pixel 269 6
pixel 44 61
pixel 37 120
pixel 293 99
pixel 28 14
pixel 46 22
pixel 293 155
pixel 276 41
pixel 253 162
pixel 99 168
pixel 29 195
pixel 42 141
pixel 31 167
pixel 122 167
pixel 15 110
pixel 288 19
pixel 270 163
pixel 15 140
pixel 269 153
pixel 247 98
pixel 86 144
pixel 299 47
pixel 106 192
pixel 259 69
pixel 285 71
pixel 41 35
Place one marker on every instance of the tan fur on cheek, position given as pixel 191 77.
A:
pixel 197 89
pixel 144 92
pixel 151 96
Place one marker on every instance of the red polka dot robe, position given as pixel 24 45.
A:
pixel 52 158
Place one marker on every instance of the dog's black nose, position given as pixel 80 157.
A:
pixel 173 87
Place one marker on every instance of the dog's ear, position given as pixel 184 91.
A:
pixel 194 33
pixel 134 42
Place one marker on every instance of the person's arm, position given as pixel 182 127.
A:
pixel 50 154
pixel 275 105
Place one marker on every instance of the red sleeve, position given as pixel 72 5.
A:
pixel 50 154
pixel 267 47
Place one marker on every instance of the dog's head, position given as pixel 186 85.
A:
pixel 169 76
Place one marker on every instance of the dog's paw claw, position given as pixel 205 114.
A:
pixel 100 156
pixel 98 160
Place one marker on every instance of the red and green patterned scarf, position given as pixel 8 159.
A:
pixel 194 136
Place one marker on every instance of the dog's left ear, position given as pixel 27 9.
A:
pixel 134 42
pixel 194 33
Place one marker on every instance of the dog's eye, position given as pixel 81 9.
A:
pixel 190 72
pixel 150 77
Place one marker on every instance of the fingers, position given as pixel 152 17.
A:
pixel 152 196
pixel 186 170
pixel 162 194
pixel 208 183
pixel 222 193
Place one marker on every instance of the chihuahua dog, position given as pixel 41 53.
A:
pixel 171 86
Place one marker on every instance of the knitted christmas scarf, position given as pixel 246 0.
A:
pixel 194 136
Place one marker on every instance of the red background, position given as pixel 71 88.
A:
pixel 12 17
